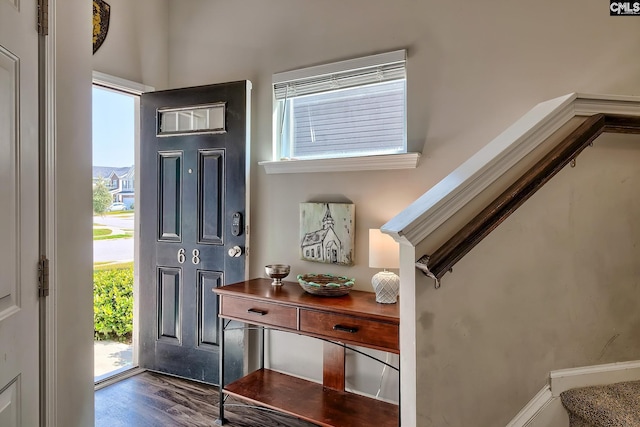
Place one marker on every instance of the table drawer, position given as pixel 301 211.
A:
pixel 259 312
pixel 369 333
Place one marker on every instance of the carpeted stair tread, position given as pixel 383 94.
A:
pixel 612 405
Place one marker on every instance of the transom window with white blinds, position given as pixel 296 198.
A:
pixel 349 108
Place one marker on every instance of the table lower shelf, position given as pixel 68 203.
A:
pixel 311 401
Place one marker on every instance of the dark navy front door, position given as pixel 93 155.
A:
pixel 193 225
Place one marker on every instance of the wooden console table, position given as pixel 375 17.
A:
pixel 355 319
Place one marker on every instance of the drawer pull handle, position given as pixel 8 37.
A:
pixel 350 329
pixel 256 311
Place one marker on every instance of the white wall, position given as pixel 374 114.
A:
pixel 135 49
pixel 72 256
pixel 473 69
pixel 136 45
pixel 555 286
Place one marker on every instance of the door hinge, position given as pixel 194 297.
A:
pixel 43 17
pixel 43 276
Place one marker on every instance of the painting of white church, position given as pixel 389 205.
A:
pixel 327 232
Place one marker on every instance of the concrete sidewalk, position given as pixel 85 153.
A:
pixel 110 356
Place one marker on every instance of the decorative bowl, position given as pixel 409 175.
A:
pixel 326 285
pixel 277 272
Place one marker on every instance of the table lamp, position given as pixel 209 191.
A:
pixel 384 253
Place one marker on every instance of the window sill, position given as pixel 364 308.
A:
pixel 343 164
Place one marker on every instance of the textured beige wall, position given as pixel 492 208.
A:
pixel 136 47
pixel 555 286
pixel 473 69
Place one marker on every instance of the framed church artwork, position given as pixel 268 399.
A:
pixel 327 232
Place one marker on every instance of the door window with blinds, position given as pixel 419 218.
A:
pixel 344 109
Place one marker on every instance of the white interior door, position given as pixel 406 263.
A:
pixel 19 376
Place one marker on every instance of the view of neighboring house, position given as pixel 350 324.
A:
pixel 120 181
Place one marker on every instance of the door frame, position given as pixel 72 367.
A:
pixel 65 62
pixel 65 66
pixel 110 82
pixel 49 307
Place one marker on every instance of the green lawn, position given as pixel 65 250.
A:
pixel 129 212
pixel 126 235
pixel 100 232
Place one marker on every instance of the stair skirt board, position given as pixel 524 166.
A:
pixel 545 409
pixel 567 379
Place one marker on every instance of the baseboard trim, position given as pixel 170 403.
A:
pixel 566 379
pixel 545 405
pixel 536 405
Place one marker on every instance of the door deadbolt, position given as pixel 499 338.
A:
pixel 235 251
pixel 236 224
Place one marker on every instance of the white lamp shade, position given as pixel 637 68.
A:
pixel 384 252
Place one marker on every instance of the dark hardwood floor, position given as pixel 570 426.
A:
pixel 154 400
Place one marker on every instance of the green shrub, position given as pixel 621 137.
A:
pixel 113 304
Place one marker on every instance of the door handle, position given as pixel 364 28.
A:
pixel 235 252
pixel 341 328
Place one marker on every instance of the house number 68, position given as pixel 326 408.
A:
pixel 195 256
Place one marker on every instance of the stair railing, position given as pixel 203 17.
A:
pixel 452 251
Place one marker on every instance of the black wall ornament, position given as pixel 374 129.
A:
pixel 101 13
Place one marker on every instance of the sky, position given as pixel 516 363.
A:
pixel 113 128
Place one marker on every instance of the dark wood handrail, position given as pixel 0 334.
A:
pixel 621 124
pixel 445 257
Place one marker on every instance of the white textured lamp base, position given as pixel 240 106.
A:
pixel 387 285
